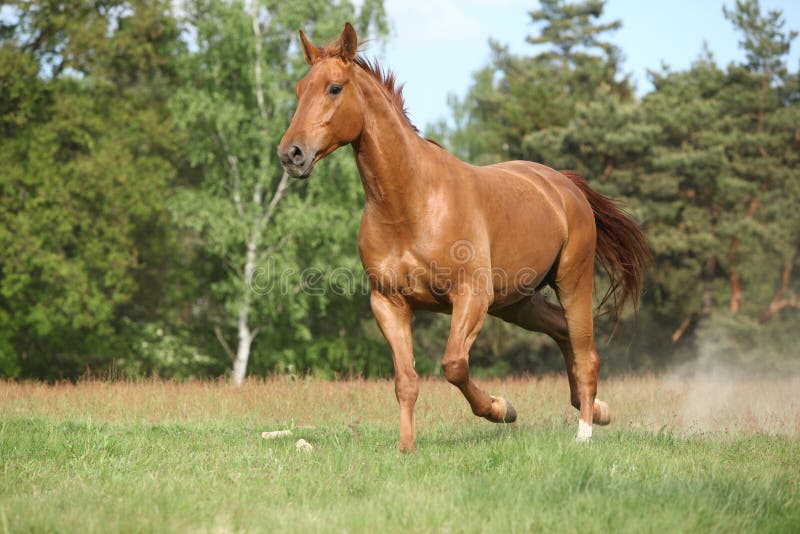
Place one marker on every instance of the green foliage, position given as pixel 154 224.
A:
pixel 145 217
pixel 159 353
pixel 763 39
pixel 88 160
pixel 569 27
pixel 122 247
pixel 515 96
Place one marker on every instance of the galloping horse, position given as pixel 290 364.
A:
pixel 440 234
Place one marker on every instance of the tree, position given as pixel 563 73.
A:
pixel 517 96
pixel 571 30
pixel 87 149
pixel 766 46
pixel 710 162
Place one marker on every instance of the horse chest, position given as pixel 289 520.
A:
pixel 400 258
pixel 392 271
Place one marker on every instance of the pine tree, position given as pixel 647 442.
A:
pixel 756 119
pixel 518 103
pixel 707 161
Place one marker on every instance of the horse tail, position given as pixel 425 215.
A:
pixel 622 249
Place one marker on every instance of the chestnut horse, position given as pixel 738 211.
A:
pixel 440 234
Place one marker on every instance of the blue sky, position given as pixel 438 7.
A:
pixel 436 45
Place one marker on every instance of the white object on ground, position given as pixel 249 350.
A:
pixel 584 431
pixel 276 434
pixel 303 445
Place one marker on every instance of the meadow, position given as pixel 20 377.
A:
pixel 681 454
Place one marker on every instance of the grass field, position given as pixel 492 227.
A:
pixel 680 455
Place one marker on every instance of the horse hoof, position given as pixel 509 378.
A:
pixel 511 413
pixel 501 414
pixel 602 414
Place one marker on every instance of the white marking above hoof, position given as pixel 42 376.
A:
pixel 584 431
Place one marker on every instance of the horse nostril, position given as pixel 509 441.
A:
pixel 296 155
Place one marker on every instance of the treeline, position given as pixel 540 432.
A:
pixel 147 227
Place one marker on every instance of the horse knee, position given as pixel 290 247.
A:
pixel 456 371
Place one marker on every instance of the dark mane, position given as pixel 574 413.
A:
pixel 385 77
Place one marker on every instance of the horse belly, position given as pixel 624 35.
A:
pixel 511 284
pixel 528 224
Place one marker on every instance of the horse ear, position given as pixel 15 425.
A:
pixel 349 42
pixel 311 52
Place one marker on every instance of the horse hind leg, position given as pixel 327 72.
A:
pixel 537 314
pixel 574 281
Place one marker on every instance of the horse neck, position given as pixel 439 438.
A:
pixel 389 154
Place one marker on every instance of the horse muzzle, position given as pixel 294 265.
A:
pixel 296 159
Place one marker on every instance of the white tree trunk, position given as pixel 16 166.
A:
pixel 246 335
pixel 243 350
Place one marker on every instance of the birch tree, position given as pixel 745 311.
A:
pixel 235 106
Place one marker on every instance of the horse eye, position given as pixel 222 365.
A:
pixel 335 89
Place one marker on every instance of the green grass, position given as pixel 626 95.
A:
pixel 161 456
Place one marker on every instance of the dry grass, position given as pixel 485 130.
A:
pixel 687 406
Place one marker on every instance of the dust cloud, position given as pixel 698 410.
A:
pixel 712 394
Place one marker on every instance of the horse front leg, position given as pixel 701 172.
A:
pixel 469 312
pixel 394 314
